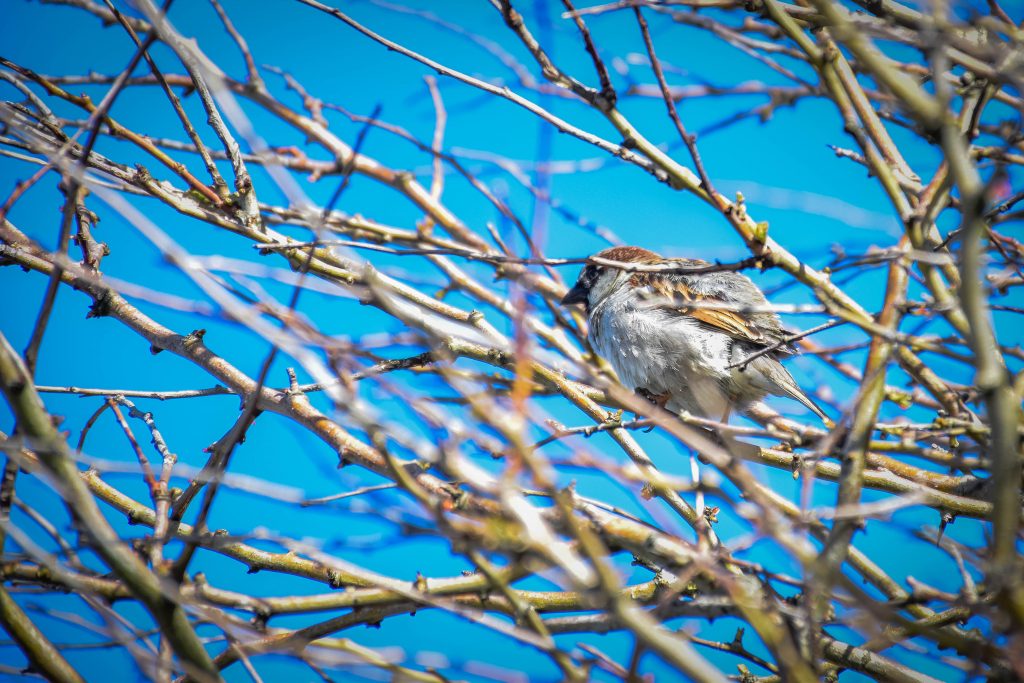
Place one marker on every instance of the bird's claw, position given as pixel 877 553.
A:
pixel 659 400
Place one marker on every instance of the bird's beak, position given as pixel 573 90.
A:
pixel 576 295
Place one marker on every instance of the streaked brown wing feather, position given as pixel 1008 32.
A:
pixel 677 294
pixel 729 322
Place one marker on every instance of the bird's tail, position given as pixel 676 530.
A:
pixel 795 392
pixel 780 382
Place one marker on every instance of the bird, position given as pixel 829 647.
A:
pixel 688 341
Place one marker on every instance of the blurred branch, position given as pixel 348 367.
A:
pixel 468 447
pixel 53 451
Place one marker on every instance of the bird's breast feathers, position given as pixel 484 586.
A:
pixel 654 351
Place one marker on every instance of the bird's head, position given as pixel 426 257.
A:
pixel 597 280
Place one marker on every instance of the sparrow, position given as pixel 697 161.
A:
pixel 683 339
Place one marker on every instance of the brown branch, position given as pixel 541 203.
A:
pixel 54 454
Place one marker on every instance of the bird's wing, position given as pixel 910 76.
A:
pixel 716 302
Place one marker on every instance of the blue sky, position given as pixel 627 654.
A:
pixel 815 202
